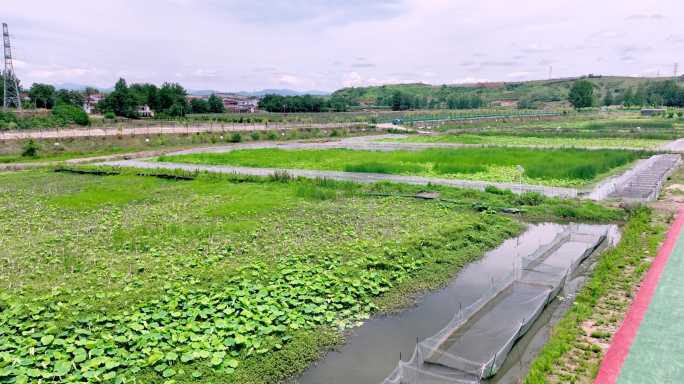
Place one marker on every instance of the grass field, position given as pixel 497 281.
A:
pixel 581 126
pixel 549 140
pixel 71 148
pixel 561 167
pixel 126 278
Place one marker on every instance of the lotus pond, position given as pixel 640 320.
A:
pixel 125 278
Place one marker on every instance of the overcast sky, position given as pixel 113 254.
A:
pixel 328 44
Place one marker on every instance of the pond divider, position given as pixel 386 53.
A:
pixel 476 342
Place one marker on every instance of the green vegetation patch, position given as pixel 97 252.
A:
pixel 113 278
pixel 539 140
pixel 122 278
pixel 559 167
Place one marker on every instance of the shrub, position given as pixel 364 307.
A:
pixel 566 212
pixel 255 136
pixel 70 114
pixel 235 138
pixel 281 176
pixel 496 191
pixel 30 149
pixel 530 198
pixel 110 115
pixel 272 135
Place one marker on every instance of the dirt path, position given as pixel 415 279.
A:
pixel 164 129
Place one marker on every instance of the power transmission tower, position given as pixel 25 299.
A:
pixel 676 67
pixel 11 95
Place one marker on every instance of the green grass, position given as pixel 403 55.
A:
pixel 221 278
pixel 618 272
pixel 645 123
pixel 615 124
pixel 70 148
pixel 560 167
pixel 540 140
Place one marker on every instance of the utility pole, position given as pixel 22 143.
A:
pixel 11 95
pixel 550 72
pixel 676 67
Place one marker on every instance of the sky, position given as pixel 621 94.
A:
pixel 232 45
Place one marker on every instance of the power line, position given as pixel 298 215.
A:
pixel 11 95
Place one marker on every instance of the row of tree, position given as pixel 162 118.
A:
pixel 46 96
pixel 401 101
pixel 305 103
pixel 657 93
pixel 212 105
pixel 169 99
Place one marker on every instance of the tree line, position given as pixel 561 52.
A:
pixel 401 101
pixel 305 103
pixel 584 94
pixel 168 100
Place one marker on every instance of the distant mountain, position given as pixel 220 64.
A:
pixel 207 92
pixel 281 92
pixel 72 86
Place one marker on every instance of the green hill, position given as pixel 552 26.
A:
pixel 528 94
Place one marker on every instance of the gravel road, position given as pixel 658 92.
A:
pixel 161 130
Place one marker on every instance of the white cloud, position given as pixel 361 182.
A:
pixel 352 79
pixel 470 80
pixel 518 75
pixel 302 44
pixel 289 79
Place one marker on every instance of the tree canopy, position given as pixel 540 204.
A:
pixel 169 99
pixel 74 98
pixel 121 101
pixel 42 95
pixel 581 94
pixel 215 104
pixel 199 106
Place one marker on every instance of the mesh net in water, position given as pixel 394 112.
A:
pixel 475 343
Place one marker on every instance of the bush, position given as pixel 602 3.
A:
pixel 30 149
pixel 530 198
pixel 110 115
pixel 281 176
pixel 496 191
pixel 255 136
pixel 235 138
pixel 70 114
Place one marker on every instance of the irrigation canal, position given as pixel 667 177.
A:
pixel 373 350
